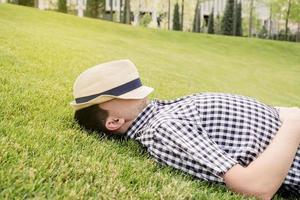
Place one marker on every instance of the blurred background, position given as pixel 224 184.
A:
pixel 266 19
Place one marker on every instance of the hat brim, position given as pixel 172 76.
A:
pixel 138 93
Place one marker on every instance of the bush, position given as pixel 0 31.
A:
pixel 263 33
pixel 145 20
pixel 62 6
pixel 93 7
pixel 29 3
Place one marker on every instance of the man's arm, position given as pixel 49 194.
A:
pixel 264 176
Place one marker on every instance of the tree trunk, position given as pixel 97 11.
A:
pixel 270 22
pixel 169 14
pixel 182 13
pixel 287 20
pixel 111 9
pixel 298 33
pixel 121 2
pixel 250 18
pixel 234 18
pixel 127 13
pixel 197 18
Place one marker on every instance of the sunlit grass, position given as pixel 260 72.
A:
pixel 44 154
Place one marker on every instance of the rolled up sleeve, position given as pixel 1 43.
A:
pixel 185 147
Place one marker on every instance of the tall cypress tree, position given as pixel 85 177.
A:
pixel 176 18
pixel 25 2
pixel 92 8
pixel 227 21
pixel 197 18
pixel 211 23
pixel 62 6
pixel 126 17
pixel 239 28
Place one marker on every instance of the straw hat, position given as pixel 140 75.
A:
pixel 103 82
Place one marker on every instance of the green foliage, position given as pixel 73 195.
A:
pixel 93 8
pixel 62 6
pixel 211 24
pixel 145 20
pixel 29 3
pixel 227 21
pixel 197 18
pixel 176 18
pixel 295 11
pixel 263 33
pixel 282 11
pixel 127 12
pixel 45 155
pixel 239 23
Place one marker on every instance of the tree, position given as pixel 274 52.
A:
pixel 263 33
pixel 287 19
pixel 285 9
pixel 126 17
pixel 120 8
pixel 182 13
pixel 145 20
pixel 92 8
pixel 197 18
pixel 295 17
pixel 251 18
pixel 227 20
pixel 270 4
pixel 176 19
pixel 111 10
pixel 169 14
pixel 26 3
pixel 211 23
pixel 270 21
pixel 239 28
pixel 62 6
pixel 234 17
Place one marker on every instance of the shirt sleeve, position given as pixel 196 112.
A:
pixel 188 148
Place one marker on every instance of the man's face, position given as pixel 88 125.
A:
pixel 121 113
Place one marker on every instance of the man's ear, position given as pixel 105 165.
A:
pixel 114 123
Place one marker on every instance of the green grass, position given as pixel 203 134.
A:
pixel 43 154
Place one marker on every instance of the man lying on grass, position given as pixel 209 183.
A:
pixel 251 147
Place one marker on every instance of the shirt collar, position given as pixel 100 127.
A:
pixel 136 128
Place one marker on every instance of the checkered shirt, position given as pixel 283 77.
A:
pixel 208 133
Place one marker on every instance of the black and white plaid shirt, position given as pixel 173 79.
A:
pixel 206 134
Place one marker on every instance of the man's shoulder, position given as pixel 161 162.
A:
pixel 161 119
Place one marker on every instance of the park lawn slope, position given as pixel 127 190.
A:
pixel 43 152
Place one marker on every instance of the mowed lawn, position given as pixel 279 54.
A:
pixel 44 154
